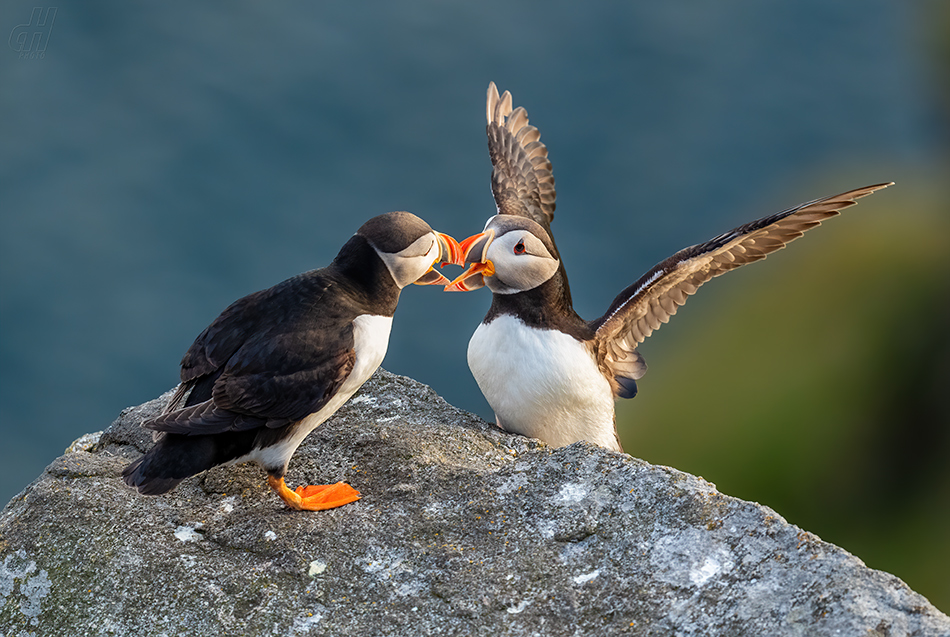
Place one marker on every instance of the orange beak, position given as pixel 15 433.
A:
pixel 474 251
pixel 449 252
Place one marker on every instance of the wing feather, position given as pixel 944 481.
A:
pixel 522 180
pixel 651 301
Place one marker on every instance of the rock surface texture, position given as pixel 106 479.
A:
pixel 463 530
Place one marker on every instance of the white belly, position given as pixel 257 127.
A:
pixel 542 383
pixel 371 339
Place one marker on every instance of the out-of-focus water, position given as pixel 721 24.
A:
pixel 163 159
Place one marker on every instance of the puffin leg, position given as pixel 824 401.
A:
pixel 314 497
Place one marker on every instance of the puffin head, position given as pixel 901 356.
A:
pixel 410 248
pixel 513 254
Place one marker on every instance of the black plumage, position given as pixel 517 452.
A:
pixel 253 379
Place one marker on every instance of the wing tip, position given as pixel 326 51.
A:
pixel 490 101
pixel 867 190
pixel 497 107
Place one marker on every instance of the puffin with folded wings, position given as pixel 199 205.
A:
pixel 546 372
pixel 278 363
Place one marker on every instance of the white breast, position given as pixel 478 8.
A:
pixel 542 383
pixel 370 342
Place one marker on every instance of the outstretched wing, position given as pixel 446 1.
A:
pixel 651 301
pixel 521 180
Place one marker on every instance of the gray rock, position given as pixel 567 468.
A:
pixel 463 530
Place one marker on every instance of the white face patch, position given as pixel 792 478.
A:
pixel 410 263
pixel 420 247
pixel 521 262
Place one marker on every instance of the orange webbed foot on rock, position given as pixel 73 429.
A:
pixel 314 497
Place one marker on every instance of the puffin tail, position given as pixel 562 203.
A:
pixel 138 476
pixel 176 457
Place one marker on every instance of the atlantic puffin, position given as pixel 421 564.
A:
pixel 278 363
pixel 546 372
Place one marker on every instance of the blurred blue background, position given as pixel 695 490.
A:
pixel 161 160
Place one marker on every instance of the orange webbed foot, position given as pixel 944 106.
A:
pixel 326 496
pixel 314 497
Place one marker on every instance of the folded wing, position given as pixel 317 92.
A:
pixel 228 378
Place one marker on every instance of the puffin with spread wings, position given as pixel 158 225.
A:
pixel 546 372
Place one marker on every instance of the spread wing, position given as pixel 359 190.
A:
pixel 264 362
pixel 651 301
pixel 521 179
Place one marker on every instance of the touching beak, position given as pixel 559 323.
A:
pixel 474 250
pixel 449 252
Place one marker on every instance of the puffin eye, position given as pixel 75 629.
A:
pixel 519 247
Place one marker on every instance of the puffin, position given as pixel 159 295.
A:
pixel 278 363
pixel 546 372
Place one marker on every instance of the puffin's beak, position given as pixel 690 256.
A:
pixel 474 250
pixel 449 252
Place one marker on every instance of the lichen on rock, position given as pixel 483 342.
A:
pixel 463 529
